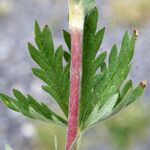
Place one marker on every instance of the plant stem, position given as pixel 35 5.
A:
pixel 75 71
pixel 76 28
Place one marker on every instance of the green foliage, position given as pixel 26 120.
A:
pixel 103 89
pixel 51 69
pixel 103 92
pixel 31 108
pixel 67 39
pixel 52 72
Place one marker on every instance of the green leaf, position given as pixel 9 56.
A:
pixel 8 101
pixel 32 108
pixel 91 44
pixel 37 115
pixel 51 64
pixel 136 94
pixel 98 87
pixel 113 56
pixel 48 46
pixel 99 114
pixel 37 32
pixel 47 77
pixel 22 109
pixel 130 96
pixel 57 63
pixel 104 67
pixel 63 104
pixel 97 41
pixel 67 56
pixel 127 49
pixel 44 41
pixel 97 63
pixel 126 88
pixel 66 81
pixel 122 103
pixel 21 98
pixel 38 57
pixel 90 24
pixel 67 39
pixel 124 48
pixel 102 91
pixel 56 118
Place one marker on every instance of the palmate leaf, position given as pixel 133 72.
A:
pixel 103 92
pixel 51 71
pixel 98 88
pixel 113 106
pixel 91 44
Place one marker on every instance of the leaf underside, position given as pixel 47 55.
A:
pixel 103 91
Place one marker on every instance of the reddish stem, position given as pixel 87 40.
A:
pixel 75 71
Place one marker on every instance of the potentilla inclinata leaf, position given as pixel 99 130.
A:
pixel 88 85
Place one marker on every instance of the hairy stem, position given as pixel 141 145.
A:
pixel 76 19
pixel 75 71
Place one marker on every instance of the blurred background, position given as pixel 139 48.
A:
pixel 129 130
